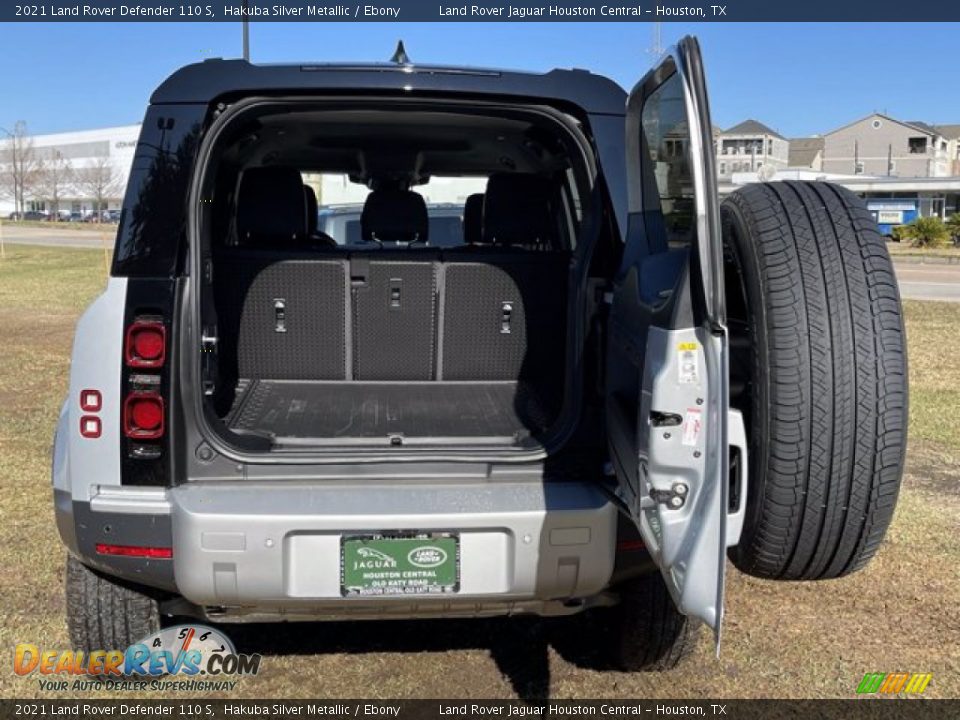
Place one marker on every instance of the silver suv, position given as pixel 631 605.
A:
pixel 613 383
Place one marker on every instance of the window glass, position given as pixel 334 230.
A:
pixel 340 205
pixel 666 140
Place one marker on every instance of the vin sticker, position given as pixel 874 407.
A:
pixel 688 363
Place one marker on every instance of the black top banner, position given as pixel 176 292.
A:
pixel 483 11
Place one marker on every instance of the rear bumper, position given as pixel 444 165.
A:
pixel 255 551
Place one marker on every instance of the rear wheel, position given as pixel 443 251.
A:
pixel 646 632
pixel 102 613
pixel 818 369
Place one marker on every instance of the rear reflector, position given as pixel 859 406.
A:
pixel 159 553
pixel 146 344
pixel 89 426
pixel 90 400
pixel 143 416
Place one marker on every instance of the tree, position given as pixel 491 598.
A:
pixel 99 182
pixel 18 165
pixel 53 176
pixel 926 232
pixel 953 227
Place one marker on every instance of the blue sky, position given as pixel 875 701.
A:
pixel 798 78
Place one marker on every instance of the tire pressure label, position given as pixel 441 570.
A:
pixel 688 363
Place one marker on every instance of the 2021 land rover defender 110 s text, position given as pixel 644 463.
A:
pixel 600 384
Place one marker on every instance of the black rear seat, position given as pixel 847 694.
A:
pixel 504 301
pixel 281 307
pixel 496 311
pixel 394 291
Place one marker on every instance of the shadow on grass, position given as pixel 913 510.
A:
pixel 518 646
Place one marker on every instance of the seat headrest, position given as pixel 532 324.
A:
pixel 394 216
pixel 271 205
pixel 518 210
pixel 473 219
pixel 310 198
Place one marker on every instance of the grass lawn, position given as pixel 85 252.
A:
pixel 780 640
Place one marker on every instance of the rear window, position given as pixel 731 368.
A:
pixel 153 221
pixel 340 205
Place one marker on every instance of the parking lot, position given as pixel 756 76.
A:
pixel 780 639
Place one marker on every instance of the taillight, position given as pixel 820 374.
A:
pixel 143 416
pixel 146 344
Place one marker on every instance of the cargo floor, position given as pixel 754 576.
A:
pixel 294 410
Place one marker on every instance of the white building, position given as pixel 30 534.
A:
pixel 107 152
pixel 748 147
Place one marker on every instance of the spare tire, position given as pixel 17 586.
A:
pixel 819 371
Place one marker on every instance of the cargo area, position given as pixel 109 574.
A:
pixel 291 410
pixel 396 321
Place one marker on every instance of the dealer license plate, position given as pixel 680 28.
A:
pixel 416 564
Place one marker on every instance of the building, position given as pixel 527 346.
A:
pixel 952 135
pixel 806 153
pixel 881 146
pixel 90 162
pixel 748 147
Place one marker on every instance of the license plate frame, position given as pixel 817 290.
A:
pixel 400 564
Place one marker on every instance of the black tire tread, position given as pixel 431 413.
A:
pixel 649 633
pixel 104 614
pixel 833 363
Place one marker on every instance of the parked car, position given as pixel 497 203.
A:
pixel 75 216
pixel 616 383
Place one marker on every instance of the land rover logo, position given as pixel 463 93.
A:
pixel 427 556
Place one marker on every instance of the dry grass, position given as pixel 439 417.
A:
pixel 781 639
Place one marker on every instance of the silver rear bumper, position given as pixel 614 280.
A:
pixel 265 550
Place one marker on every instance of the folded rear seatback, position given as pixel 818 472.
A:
pixel 394 314
pixel 283 316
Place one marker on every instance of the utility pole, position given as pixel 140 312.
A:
pixel 246 31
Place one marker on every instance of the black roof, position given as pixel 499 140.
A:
pixel 205 81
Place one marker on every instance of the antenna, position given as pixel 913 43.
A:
pixel 400 56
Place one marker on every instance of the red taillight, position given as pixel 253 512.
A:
pixel 146 345
pixel 158 553
pixel 143 416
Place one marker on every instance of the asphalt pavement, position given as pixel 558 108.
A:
pixel 918 281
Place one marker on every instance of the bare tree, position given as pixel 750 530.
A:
pixel 54 175
pixel 99 182
pixel 18 165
